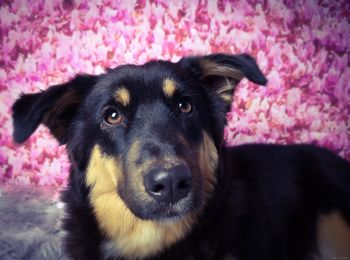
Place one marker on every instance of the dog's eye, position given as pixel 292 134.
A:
pixel 185 107
pixel 112 116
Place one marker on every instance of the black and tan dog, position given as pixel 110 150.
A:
pixel 150 177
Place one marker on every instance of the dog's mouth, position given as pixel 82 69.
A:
pixel 164 190
pixel 171 212
pixel 163 211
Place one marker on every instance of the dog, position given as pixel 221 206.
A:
pixel 150 177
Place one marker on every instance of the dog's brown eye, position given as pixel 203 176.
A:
pixel 185 107
pixel 113 117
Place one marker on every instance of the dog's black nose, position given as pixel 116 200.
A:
pixel 168 185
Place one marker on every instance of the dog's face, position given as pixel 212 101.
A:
pixel 145 139
pixel 151 121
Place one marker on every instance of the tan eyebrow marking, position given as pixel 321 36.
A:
pixel 122 96
pixel 169 87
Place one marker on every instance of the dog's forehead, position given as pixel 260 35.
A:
pixel 149 81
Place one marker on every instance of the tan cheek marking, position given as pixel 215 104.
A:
pixel 102 172
pixel 134 151
pixel 130 236
pixel 136 178
pixel 169 88
pixel 122 96
pixel 208 161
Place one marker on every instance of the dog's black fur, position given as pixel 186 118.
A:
pixel 248 202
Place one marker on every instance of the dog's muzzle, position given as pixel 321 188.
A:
pixel 168 184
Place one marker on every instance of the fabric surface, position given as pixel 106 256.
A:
pixel 30 220
pixel 301 46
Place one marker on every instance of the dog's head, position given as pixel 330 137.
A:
pixel 145 139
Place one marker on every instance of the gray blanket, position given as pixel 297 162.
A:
pixel 30 220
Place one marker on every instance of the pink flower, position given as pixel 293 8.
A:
pixel 301 46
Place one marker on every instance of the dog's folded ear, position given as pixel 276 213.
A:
pixel 222 72
pixel 54 107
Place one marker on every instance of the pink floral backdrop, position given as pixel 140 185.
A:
pixel 301 46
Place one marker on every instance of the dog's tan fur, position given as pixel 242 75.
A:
pixel 208 160
pixel 211 68
pixel 334 237
pixel 131 237
pixel 122 96
pixel 169 88
pixel 230 78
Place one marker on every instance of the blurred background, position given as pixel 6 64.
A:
pixel 301 46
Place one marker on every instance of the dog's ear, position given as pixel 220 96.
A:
pixel 220 73
pixel 54 107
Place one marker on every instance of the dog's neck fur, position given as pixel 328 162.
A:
pixel 105 247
